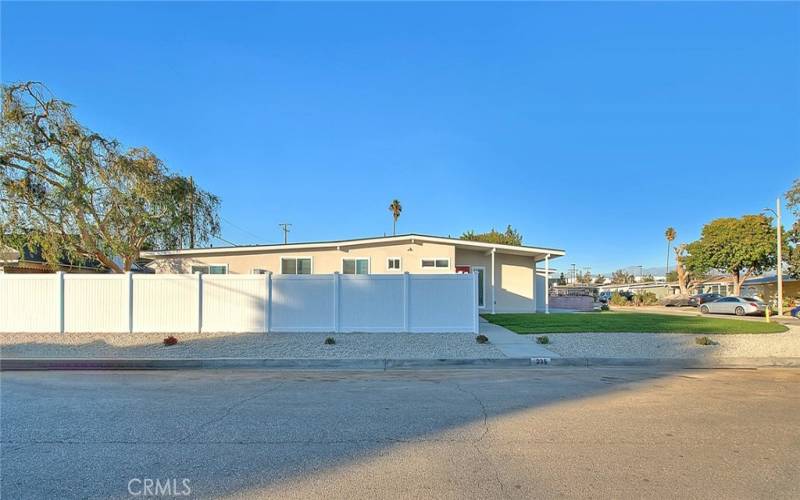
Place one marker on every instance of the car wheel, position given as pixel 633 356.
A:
pixel 704 310
pixel 739 311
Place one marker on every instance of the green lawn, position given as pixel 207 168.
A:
pixel 627 322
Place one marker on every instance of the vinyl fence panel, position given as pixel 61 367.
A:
pixel 234 303
pixel 302 303
pixel 30 303
pixel 442 303
pixel 371 303
pixel 96 303
pixel 166 303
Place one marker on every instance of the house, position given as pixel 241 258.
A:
pixel 32 261
pixel 766 287
pixel 509 278
pixel 658 288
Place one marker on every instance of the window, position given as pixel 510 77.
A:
pixel 393 264
pixel 295 265
pixel 438 263
pixel 210 269
pixel 355 266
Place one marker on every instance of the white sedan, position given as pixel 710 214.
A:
pixel 739 306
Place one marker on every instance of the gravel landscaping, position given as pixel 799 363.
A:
pixel 247 345
pixel 672 345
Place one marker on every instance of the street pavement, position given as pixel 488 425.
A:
pixel 527 433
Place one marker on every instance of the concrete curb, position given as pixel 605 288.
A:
pixel 27 364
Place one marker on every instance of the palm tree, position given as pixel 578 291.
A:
pixel 670 235
pixel 395 208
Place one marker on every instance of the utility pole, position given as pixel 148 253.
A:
pixel 285 226
pixel 780 259
pixel 779 266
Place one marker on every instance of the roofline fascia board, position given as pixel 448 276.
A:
pixel 413 238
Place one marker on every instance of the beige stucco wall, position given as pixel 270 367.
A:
pixel 323 261
pixel 513 279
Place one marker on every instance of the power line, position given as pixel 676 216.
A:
pixel 226 241
pixel 259 238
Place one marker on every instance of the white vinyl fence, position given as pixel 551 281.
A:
pixel 178 303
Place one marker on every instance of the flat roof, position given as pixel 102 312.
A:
pixel 457 242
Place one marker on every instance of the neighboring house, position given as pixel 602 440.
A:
pixel 658 288
pixel 505 272
pixel 32 261
pixel 766 287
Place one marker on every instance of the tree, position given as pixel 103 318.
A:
pixel 682 274
pixel 395 208
pixel 670 235
pixel 622 277
pixel 599 279
pixel 672 276
pixel 647 278
pixel 792 236
pixel 562 280
pixel 741 247
pixel 509 237
pixel 75 194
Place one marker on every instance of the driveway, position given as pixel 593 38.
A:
pixel 444 434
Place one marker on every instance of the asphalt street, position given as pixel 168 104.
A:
pixel 546 432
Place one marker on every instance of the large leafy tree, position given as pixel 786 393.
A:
pixel 740 247
pixel 509 237
pixel 793 235
pixel 76 194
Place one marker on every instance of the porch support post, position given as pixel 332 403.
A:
pixel 534 285
pixel 547 284
pixel 493 251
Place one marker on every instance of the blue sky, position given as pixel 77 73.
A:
pixel 589 127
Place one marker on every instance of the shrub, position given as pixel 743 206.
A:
pixel 170 340
pixel 482 339
pixel 604 307
pixel 330 341
pixel 704 341
pixel 544 339
pixel 617 299
pixel 644 299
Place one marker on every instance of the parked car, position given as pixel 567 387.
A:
pixel 675 300
pixel 739 306
pixel 702 298
pixel 795 312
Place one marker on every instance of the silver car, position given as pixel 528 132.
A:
pixel 739 306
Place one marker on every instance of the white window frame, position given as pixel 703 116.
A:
pixel 434 266
pixel 399 269
pixel 227 271
pixel 295 267
pixel 369 264
pixel 483 278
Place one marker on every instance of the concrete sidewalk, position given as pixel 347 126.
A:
pixel 514 345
